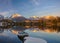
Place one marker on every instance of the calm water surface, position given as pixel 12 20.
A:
pixel 10 35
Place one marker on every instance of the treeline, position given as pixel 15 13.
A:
pixel 42 22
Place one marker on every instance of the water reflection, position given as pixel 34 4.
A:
pixel 22 35
pixel 19 31
pixel 45 29
pixel 32 28
pixel 1 30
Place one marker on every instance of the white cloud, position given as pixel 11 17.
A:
pixel 5 13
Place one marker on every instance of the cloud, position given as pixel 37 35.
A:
pixel 5 13
pixel 36 2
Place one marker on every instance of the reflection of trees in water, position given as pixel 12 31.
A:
pixel 19 31
pixel 47 29
pixel 43 28
pixel 5 27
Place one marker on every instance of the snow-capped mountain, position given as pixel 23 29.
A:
pixel 34 18
pixel 17 17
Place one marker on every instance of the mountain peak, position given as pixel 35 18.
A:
pixel 16 15
pixel 34 17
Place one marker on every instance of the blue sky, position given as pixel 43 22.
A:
pixel 29 8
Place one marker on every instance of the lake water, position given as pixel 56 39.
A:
pixel 10 35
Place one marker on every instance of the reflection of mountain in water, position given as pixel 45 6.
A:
pixel 19 31
pixel 51 30
pixel 45 29
pixel 21 34
pixel 16 29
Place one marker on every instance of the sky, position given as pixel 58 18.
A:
pixel 28 8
